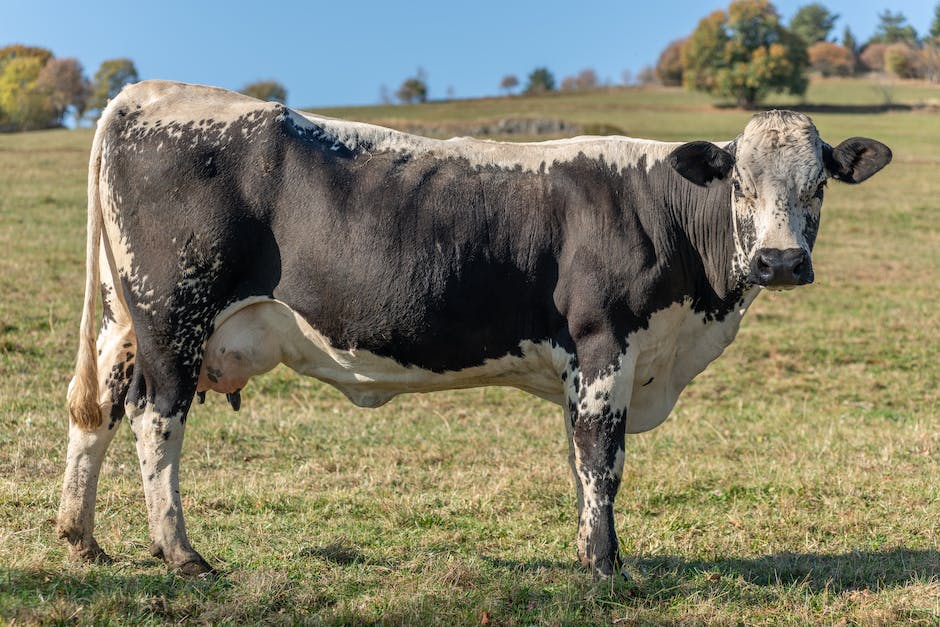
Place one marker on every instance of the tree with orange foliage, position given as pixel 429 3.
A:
pixel 831 59
pixel 669 64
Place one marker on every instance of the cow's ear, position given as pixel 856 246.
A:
pixel 856 159
pixel 701 162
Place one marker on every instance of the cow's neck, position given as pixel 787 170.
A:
pixel 704 217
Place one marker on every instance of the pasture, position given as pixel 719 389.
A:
pixel 795 482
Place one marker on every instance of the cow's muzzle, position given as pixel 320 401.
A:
pixel 772 267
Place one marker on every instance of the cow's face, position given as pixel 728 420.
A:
pixel 775 173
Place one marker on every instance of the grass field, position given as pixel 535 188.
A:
pixel 795 482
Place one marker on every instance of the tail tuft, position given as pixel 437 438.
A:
pixel 84 409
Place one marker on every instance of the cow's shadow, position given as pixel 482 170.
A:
pixel 657 581
pixel 844 572
pixel 856 570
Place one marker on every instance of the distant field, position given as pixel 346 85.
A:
pixel 796 481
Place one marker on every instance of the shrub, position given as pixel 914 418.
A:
pixel 873 57
pixel 901 60
pixel 830 59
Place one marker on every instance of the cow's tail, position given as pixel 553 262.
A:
pixel 84 409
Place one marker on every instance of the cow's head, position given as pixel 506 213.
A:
pixel 775 173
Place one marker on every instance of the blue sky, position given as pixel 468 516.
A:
pixel 342 52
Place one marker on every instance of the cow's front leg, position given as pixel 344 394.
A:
pixel 596 423
pixel 159 436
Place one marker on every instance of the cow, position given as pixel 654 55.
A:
pixel 228 235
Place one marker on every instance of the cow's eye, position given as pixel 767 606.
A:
pixel 819 190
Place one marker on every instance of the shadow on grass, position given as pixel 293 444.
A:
pixel 812 108
pixel 858 570
pixel 531 566
pixel 46 592
pixel 524 591
pixel 343 553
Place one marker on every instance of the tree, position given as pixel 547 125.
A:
pixel 582 81
pixel 540 81
pixel 935 25
pixel 930 51
pixel 509 83
pixel 271 91
pixel 22 105
pixel 18 51
pixel 813 23
pixel 930 60
pixel 892 28
pixel 745 53
pixel 831 59
pixel 646 75
pixel 669 64
pixel 65 84
pixel 36 89
pixel 414 89
pixel 848 41
pixel 110 78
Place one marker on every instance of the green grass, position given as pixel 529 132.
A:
pixel 795 482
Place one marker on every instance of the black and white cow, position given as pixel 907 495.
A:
pixel 229 235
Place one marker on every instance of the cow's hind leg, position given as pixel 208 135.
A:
pixel 86 449
pixel 157 405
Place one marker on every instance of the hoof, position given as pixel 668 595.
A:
pixel 87 552
pixel 92 554
pixel 235 399
pixel 585 561
pixel 605 568
pixel 196 568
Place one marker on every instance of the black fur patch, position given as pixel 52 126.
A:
pixel 856 159
pixel 701 162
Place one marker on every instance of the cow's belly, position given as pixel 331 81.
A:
pixel 677 345
pixel 255 335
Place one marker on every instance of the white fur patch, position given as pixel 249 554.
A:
pixel 778 165
pixel 618 152
pixel 169 103
pixel 367 379
pixel 677 346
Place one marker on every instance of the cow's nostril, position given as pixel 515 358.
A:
pixel 798 269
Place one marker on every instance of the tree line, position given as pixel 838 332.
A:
pixel 746 52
